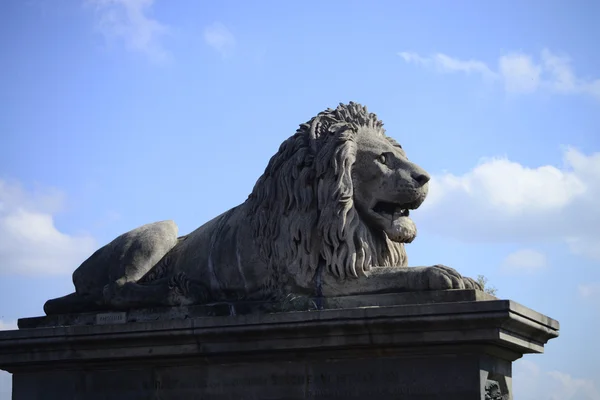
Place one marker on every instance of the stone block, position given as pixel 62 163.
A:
pixel 446 347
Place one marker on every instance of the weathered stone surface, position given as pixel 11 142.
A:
pixel 126 259
pixel 329 217
pixel 449 350
pixel 245 308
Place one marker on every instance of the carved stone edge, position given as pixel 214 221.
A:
pixel 291 303
pixel 499 323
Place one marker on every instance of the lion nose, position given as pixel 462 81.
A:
pixel 421 178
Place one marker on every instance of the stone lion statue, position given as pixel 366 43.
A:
pixel 329 217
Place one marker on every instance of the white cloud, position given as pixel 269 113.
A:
pixel 5 385
pixel 531 383
pixel 128 20
pixel 568 387
pixel 7 325
pixel 5 377
pixel 219 38
pixel 585 246
pixel 501 200
pixel 560 68
pixel 31 243
pixel 444 63
pixel 590 292
pixel 518 72
pixel 525 260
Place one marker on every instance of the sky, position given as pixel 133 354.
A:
pixel 117 113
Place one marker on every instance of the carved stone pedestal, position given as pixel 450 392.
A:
pixel 447 348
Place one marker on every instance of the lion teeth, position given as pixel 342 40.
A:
pixel 399 213
pixel 390 211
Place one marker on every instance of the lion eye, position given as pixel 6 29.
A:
pixel 382 159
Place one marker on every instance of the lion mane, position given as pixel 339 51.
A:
pixel 304 200
pixel 301 231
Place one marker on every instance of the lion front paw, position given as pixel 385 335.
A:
pixel 441 277
pixel 110 292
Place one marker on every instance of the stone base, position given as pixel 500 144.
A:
pixel 449 350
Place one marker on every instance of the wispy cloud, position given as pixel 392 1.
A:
pixel 443 63
pixel 590 292
pixel 219 38
pixel 533 383
pixel 518 72
pixel 525 260
pixel 31 243
pixel 129 21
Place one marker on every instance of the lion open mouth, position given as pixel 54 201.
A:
pixel 393 219
pixel 391 211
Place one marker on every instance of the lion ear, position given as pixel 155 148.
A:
pixel 313 133
pixel 340 127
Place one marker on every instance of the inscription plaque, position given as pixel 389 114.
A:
pixel 111 318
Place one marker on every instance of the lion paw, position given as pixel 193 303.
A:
pixel 112 293
pixel 441 277
pixel 109 292
pixel 471 283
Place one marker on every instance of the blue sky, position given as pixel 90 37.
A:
pixel 116 113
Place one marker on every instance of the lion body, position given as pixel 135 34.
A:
pixel 311 226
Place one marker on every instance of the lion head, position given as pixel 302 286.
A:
pixel 337 193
